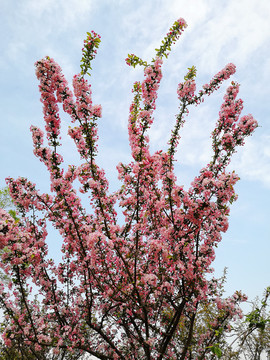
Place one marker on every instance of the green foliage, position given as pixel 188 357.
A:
pixel 216 350
pixel 7 203
pixel 256 319
pixel 91 44
pixel 170 39
pixel 252 333
pixel 192 71
pixel 134 60
pixel 5 199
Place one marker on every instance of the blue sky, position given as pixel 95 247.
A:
pixel 218 32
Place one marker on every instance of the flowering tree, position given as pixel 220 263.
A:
pixel 122 291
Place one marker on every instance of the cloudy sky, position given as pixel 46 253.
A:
pixel 218 32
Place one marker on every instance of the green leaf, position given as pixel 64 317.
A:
pixel 216 350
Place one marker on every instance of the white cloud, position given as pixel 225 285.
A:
pixel 253 162
pixel 63 13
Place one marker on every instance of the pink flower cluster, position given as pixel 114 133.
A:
pixel 186 90
pixel 141 116
pixel 224 74
pixel 177 29
pixel 230 131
